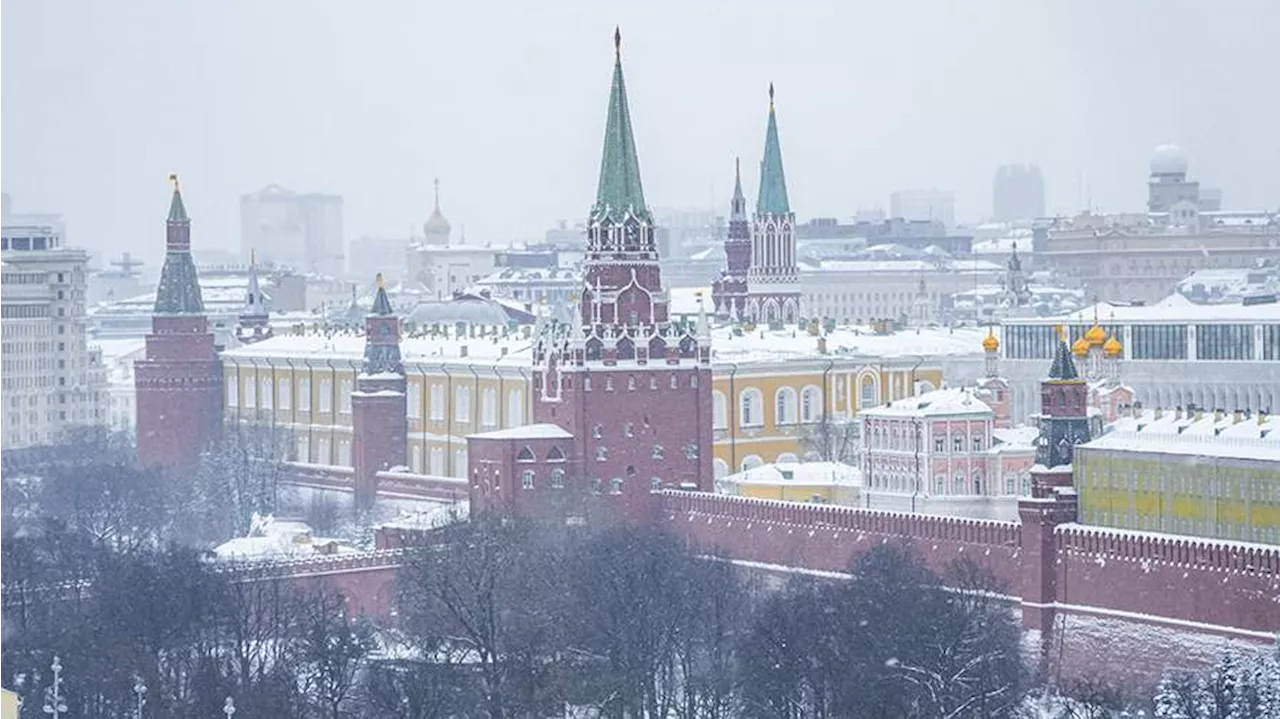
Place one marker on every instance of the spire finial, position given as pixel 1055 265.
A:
pixel 253 257
pixel 378 281
pixel 770 96
pixel 173 177
pixel 617 42
pixel 437 187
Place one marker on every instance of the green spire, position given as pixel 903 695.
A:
pixel 381 305
pixel 177 210
pixel 772 199
pixel 619 190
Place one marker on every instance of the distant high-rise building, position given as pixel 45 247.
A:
pixel 924 206
pixel 301 231
pixel 1018 193
pixel 49 371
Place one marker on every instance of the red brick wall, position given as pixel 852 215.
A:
pixel 379 426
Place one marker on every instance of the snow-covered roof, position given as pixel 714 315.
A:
pixel 940 402
pixel 531 431
pixel 684 300
pixel 900 266
pixel 806 473
pixel 270 537
pixel 1174 309
pixel 764 345
pixel 1020 436
pixel 348 347
pixel 434 517
pixel 1209 435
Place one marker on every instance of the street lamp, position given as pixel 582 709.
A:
pixel 229 708
pixel 140 696
pixel 54 703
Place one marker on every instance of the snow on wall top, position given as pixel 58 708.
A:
pixel 532 431
pixel 764 345
pixel 806 473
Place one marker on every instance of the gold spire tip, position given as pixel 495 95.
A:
pixel 173 177
pixel 378 280
pixel 1061 336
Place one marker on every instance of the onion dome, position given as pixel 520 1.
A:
pixel 990 343
pixel 436 227
pixel 1080 347
pixel 1095 336
pixel 1113 348
pixel 1169 159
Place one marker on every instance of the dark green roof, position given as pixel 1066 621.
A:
pixel 177 210
pixel 381 305
pixel 1063 367
pixel 772 199
pixel 619 190
pixel 179 289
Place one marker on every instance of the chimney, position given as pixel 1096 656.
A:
pixel 1236 416
pixel 1199 413
pixel 462 351
pixel 1159 413
pixel 1217 415
pixel 1262 417
pixel 1177 412
pixel 504 352
pixel 822 345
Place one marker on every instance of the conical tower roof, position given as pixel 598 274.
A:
pixel 179 290
pixel 619 191
pixel 1063 367
pixel 737 206
pixel 772 199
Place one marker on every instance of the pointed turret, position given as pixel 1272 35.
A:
pixel 179 290
pixel 619 190
pixel 728 293
pixel 382 336
pixel 1063 367
pixel 738 205
pixel 378 404
pixel 254 323
pixel 772 199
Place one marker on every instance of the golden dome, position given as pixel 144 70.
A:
pixel 1113 348
pixel 990 343
pixel 1081 347
pixel 1096 335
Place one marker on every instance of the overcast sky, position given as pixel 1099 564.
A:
pixel 505 102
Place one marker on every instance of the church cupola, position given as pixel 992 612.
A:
pixel 437 229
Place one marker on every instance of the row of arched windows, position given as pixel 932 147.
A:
pixel 789 405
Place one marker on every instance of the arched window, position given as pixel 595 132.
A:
pixel 526 455
pixel 784 406
pixel 414 400
pixel 655 484
pixel 462 404
pixel 436 461
pixel 616 485
pixel 810 404
pixel 555 454
pixel 751 461
pixel 515 408
pixel 460 463
pixel 718 410
pixel 787 458
pixel 526 479
pixel 489 407
pixel 266 393
pixel 719 468
pixel 284 393
pixel 557 479
pixel 977 482
pixel 957 486
pixel 417 458
pixel 602 454
pixel 436 405
pixel 868 392
pixel 751 408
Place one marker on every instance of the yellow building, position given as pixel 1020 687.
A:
pixel 771 388
pixel 821 482
pixel 1203 474
pixel 8 704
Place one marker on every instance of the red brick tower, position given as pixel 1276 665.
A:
pixel 729 291
pixel 179 384
pixel 633 387
pixel 378 409
pixel 1063 424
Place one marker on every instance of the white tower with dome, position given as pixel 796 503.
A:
pixel 1172 199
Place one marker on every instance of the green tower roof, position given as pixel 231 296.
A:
pixel 177 210
pixel 619 191
pixel 772 199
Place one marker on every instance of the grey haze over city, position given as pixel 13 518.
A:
pixel 502 101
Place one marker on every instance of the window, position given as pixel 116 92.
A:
pixel 653 382
pixel 460 463
pixel 526 455
pixel 810 400
pixel 977 443
pixel 435 461
pixel 785 406
pixel 284 393
pixel 489 407
pixel 515 408
pixel 265 384
pixel 655 484
pixel 608 384
pixel 616 485
pixel 416 458
pixel 750 407
pixel 718 412
pixel 344 396
pixel 526 479
pixel 413 400
pixel 462 404
pixel 344 453
pixel 868 393
pixel 557 479
pixel 675 382
pixel 597 431
pixel 658 451
pixel 555 454
pixel 304 394
pixel 326 396
pixel 303 449
pixel 323 455
pixel 436 407
pixel 693 381
pixel 233 394
pixel 586 384
pixel 628 430
pixel 250 393
pixel 602 454
pixel 631 383
pixel 939 444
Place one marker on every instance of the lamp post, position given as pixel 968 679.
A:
pixel 229 708
pixel 54 703
pixel 140 696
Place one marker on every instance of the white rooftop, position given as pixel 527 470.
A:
pixel 940 402
pixel 764 345
pixel 347 347
pixel 531 431
pixel 1174 309
pixel 1211 435
pixel 806 473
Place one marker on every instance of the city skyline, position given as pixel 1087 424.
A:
pixel 504 108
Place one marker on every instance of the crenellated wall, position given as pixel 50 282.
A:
pixel 828 537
